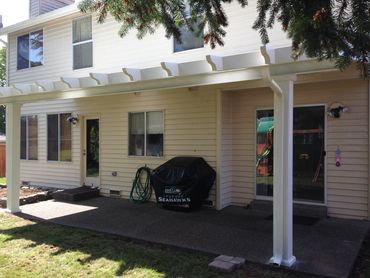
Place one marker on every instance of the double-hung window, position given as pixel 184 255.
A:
pixel 30 50
pixel 82 43
pixel 29 137
pixel 146 133
pixel 59 137
pixel 190 38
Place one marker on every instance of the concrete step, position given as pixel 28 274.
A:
pixel 76 194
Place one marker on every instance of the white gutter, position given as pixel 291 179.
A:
pixel 41 19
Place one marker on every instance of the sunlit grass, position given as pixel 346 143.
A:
pixel 29 249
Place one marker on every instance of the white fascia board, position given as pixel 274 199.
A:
pixel 182 81
pixel 187 81
pixel 41 19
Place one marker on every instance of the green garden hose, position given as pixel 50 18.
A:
pixel 141 191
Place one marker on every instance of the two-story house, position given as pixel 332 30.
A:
pixel 85 106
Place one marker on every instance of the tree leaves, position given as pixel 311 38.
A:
pixel 337 30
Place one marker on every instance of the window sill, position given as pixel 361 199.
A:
pixel 29 68
pixel 58 162
pixel 145 157
pixel 188 50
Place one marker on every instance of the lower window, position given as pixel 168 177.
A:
pixel 146 133
pixel 29 137
pixel 308 153
pixel 59 137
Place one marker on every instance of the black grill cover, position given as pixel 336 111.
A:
pixel 183 181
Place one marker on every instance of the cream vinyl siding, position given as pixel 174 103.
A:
pixel 189 129
pixel 111 53
pixel 346 186
pixel 226 148
pixel 38 7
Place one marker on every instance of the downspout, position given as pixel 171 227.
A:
pixel 276 89
pixel 266 71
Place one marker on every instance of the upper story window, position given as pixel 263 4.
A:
pixel 29 137
pixel 30 50
pixel 146 133
pixel 82 43
pixel 59 133
pixel 190 39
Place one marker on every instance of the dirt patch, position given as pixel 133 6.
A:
pixel 28 195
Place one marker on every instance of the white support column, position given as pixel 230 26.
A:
pixel 13 128
pixel 283 172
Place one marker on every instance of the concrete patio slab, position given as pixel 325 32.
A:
pixel 327 248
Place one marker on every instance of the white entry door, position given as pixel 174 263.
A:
pixel 91 152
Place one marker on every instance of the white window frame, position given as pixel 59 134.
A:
pixel 82 42
pixel 145 134
pixel 47 139
pixel 29 45
pixel 27 133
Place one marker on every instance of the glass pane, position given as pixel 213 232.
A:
pixel 82 55
pixel 82 29
pixel 308 153
pixel 23 52
pixel 154 131
pixel 92 148
pixel 36 49
pixel 23 137
pixel 264 150
pixel 53 137
pixel 136 134
pixel 189 39
pixel 65 138
pixel 32 137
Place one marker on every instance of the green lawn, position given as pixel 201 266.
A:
pixel 29 249
pixel 3 181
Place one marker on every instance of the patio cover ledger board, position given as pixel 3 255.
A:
pixel 213 71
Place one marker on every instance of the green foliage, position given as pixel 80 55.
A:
pixel 2 67
pixel 146 16
pixel 323 29
pixel 335 30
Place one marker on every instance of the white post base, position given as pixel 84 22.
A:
pixel 11 211
pixel 280 262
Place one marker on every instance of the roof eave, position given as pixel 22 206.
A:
pixel 41 19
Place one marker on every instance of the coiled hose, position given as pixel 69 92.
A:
pixel 141 192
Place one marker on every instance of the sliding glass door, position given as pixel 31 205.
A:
pixel 308 153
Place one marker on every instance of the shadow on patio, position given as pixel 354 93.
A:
pixel 328 247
